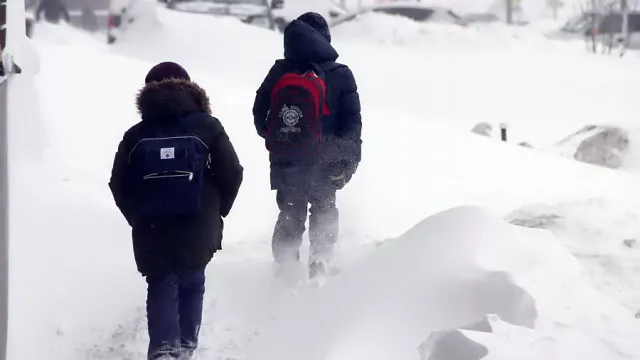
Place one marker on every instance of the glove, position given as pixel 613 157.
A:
pixel 340 173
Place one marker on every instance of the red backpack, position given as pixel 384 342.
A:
pixel 294 124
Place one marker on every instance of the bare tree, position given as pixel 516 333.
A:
pixel 270 16
pixel 624 9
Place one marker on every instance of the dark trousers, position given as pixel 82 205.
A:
pixel 323 223
pixel 174 314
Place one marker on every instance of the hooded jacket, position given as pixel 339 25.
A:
pixel 341 130
pixel 186 242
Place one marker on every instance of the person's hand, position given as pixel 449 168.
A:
pixel 340 173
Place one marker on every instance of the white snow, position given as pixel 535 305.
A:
pixel 568 293
pixel 448 272
pixel 531 9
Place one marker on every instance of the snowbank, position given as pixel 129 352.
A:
pixel 399 30
pixel 533 9
pixel 450 271
pixel 201 41
pixel 597 145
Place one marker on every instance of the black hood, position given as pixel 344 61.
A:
pixel 170 100
pixel 303 44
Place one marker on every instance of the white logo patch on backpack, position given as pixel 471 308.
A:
pixel 168 153
pixel 291 116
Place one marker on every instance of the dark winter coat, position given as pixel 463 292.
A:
pixel 341 130
pixel 188 241
pixel 54 11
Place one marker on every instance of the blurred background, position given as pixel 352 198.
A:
pixel 609 23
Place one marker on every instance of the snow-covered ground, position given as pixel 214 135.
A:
pixel 424 249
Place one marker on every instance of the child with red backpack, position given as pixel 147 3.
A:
pixel 308 111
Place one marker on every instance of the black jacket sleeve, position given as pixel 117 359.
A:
pixel 119 183
pixel 263 97
pixel 225 166
pixel 349 118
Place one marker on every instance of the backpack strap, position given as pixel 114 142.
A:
pixel 319 69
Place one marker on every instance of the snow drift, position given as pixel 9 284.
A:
pixel 450 271
pixel 597 145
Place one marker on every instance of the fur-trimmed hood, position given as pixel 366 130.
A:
pixel 170 100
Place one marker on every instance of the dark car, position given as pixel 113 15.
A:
pixel 236 8
pixel 415 11
pixel 605 28
pixel 608 29
pixel 249 11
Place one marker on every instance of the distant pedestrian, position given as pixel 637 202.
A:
pixel 54 11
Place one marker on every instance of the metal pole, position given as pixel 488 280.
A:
pixel 509 11
pixel 4 212
pixel 4 195
pixel 503 132
pixel 624 7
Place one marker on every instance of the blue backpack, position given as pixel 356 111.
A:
pixel 169 173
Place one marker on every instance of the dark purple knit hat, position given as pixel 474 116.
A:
pixel 166 70
pixel 317 22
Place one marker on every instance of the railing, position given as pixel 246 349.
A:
pixel 3 25
pixel 4 192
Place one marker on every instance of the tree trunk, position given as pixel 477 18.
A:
pixel 270 17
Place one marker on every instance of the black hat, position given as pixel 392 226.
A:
pixel 317 22
pixel 166 70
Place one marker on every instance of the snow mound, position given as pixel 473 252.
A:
pixel 451 344
pixel 482 128
pixel 450 272
pixel 195 40
pixel 400 30
pixel 597 145
pixel 385 28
